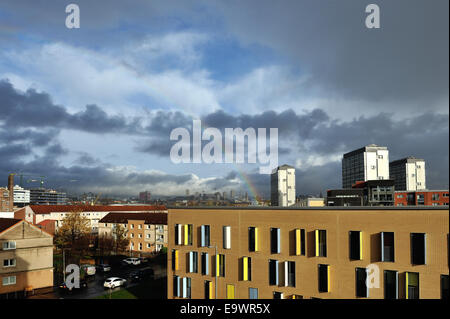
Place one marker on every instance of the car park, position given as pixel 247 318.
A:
pixel 114 282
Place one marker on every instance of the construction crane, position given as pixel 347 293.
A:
pixel 21 176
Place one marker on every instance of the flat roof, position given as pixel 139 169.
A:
pixel 442 207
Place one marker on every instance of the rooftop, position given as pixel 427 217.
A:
pixel 6 223
pixel 47 209
pixel 312 208
pixel 123 218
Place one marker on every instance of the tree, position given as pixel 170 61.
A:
pixel 121 241
pixel 74 230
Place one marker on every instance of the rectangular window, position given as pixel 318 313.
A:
pixel 289 273
pixel 418 248
pixel 205 236
pixel 355 245
pixel 387 246
pixel 193 261
pixel 208 289
pixel 188 234
pixel 412 285
pixel 205 264
pixel 300 244
pixel 175 260
pixel 361 288
pixel 246 269
pixel 11 280
pixel 252 293
pixel 176 286
pixel 226 237
pixel 324 278
pixel 435 197
pixel 321 242
pixel 230 292
pixel 9 245
pixel 253 239
pixel 275 239
pixel 178 234
pixel 390 284
pixel 188 287
pixel 444 287
pixel 9 262
pixel 220 265
pixel 273 272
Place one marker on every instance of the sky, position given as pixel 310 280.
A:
pixel 92 108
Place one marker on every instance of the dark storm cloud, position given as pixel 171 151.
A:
pixel 34 109
pixel 406 59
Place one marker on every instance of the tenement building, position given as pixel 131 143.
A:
pixel 311 252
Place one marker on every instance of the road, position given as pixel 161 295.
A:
pixel 95 283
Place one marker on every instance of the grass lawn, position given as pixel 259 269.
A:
pixel 148 289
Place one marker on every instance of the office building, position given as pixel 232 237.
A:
pixel 42 196
pixel 282 186
pixel 408 174
pixel 345 197
pixel 421 198
pixel 21 196
pixel 26 256
pixel 323 252
pixel 367 163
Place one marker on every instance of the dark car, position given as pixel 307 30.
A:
pixel 83 284
pixel 136 276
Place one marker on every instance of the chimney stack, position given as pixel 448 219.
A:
pixel 11 191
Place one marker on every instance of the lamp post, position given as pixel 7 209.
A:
pixel 215 285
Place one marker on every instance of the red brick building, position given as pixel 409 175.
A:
pixel 421 198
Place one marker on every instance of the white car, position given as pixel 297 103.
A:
pixel 132 261
pixel 89 269
pixel 114 282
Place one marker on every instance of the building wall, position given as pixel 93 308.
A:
pixel 337 223
pixel 33 255
pixel 401 198
pixel 4 200
pixel 283 187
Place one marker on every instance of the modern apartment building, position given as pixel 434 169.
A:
pixel 282 186
pixel 323 252
pixel 408 174
pixel 421 198
pixel 26 257
pixel 370 162
pixel 147 232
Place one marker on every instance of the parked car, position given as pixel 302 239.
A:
pixel 132 261
pixel 104 267
pixel 135 276
pixel 114 282
pixel 143 259
pixel 88 269
pixel 83 284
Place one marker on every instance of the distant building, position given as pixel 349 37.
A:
pixel 26 254
pixel 370 162
pixel 42 196
pixel 145 197
pixel 36 214
pixel 377 193
pixel 345 197
pixel 282 186
pixel 408 174
pixel 147 232
pixel 311 202
pixel 21 196
pixel 4 200
pixel 421 198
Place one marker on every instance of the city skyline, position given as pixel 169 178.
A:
pixel 97 104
